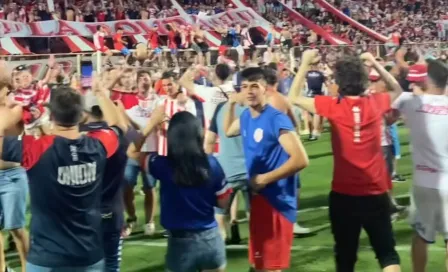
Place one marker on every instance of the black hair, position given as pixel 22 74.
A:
pixel 253 74
pixel 438 73
pixel 60 79
pixel 98 27
pixel 273 66
pixel 119 28
pixel 96 112
pixel 222 71
pixel 168 27
pixel 270 76
pixel 350 75
pixel 411 56
pixel 185 150
pixel 66 106
pixel 168 75
pixel 142 72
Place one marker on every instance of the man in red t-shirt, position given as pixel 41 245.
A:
pixel 119 44
pixel 153 45
pixel 359 196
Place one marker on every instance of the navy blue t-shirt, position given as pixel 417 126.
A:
pixel 315 80
pixel 112 206
pixel 188 208
pixel 65 191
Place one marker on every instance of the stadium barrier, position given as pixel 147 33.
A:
pixel 82 63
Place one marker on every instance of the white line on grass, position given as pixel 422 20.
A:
pixel 326 207
pixel 294 248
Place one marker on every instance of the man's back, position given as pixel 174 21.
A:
pixel 113 181
pixel 359 167
pixel 427 117
pixel 230 155
pixel 65 186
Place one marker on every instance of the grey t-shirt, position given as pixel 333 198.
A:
pixel 230 155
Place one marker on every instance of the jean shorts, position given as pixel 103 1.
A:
pixel 239 185
pixel 13 193
pixel 192 251
pixel 131 172
pixel 125 52
pixel 97 267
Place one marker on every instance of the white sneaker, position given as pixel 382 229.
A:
pixel 300 230
pixel 150 229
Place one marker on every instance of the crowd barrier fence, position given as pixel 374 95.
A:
pixel 74 62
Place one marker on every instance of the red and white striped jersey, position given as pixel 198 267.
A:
pixel 172 106
pixel 32 97
pixel 98 40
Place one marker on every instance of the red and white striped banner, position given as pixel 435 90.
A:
pixel 78 44
pixel 10 46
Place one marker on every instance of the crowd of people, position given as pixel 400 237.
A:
pixel 207 133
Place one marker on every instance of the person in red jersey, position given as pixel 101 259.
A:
pixel 120 44
pixel 359 196
pixel 172 33
pixel 153 45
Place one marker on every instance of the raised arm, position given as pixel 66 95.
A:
pixel 187 81
pixel 394 87
pixel 110 111
pixel 295 93
pixel 231 123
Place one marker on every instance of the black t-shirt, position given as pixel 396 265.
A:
pixel 112 207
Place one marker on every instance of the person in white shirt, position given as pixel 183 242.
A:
pixel 426 113
pixel 139 108
pixel 175 101
pixel 210 96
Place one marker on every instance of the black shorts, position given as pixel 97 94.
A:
pixel 201 47
pixel 350 214
pixel 287 43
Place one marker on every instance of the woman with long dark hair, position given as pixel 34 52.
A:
pixel 191 185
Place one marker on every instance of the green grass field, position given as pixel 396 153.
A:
pixel 310 254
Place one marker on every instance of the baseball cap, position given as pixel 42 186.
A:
pixel 374 75
pixel 417 73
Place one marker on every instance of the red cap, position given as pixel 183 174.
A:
pixel 374 75
pixel 417 73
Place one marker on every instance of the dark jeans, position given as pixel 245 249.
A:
pixel 348 215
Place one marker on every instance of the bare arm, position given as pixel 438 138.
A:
pixel 295 93
pixel 292 116
pixel 394 87
pixel 210 141
pixel 231 123
pixel 187 81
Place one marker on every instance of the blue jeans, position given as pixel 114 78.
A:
pixel 113 244
pixel 13 193
pixel 192 251
pixel 393 130
pixel 97 267
pixel 131 172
